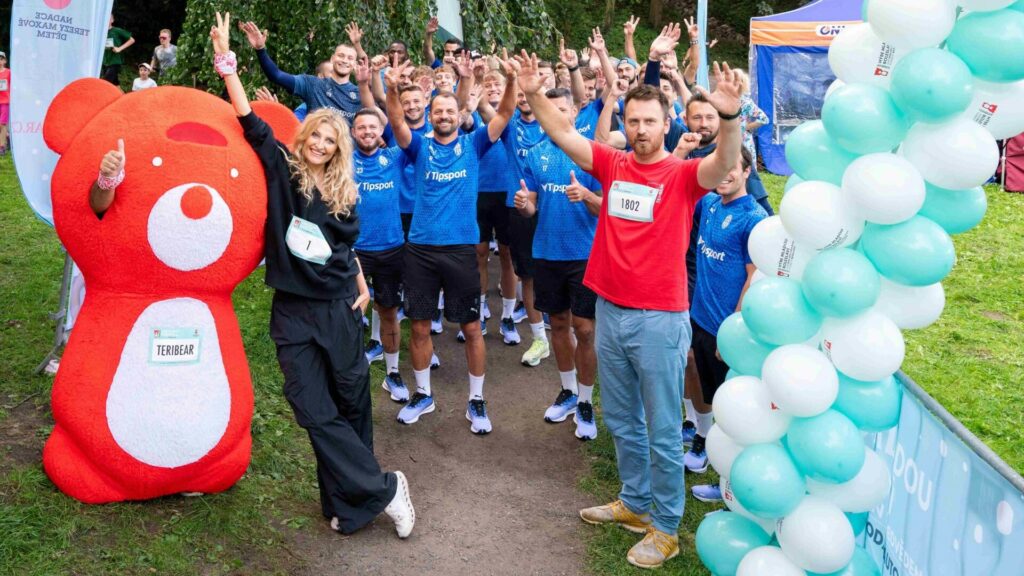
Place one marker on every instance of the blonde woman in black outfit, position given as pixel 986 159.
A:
pixel 319 297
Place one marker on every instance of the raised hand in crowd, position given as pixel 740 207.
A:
pixel 688 142
pixel 692 29
pixel 432 26
pixel 363 72
pixel 567 56
pixel 113 161
pixel 101 195
pixel 728 89
pixel 355 33
pixel 378 63
pixel 665 43
pixel 393 76
pixel 628 29
pixel 257 38
pixel 263 93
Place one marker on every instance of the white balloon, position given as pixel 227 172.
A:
pixel 767 561
pixel 800 379
pixel 868 346
pixel 817 536
pixel 999 107
pixel 955 155
pixel 818 215
pixel 867 489
pixel 857 54
pixel 744 410
pixel 721 450
pixel 733 504
pixel 911 307
pixel 774 252
pixel 984 5
pixel 885 187
pixel 835 85
pixel 912 24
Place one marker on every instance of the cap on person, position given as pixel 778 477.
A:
pixel 3 55
pixel 627 60
pixel 146 66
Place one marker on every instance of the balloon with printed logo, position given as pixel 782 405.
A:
pixel 871 406
pixel 917 252
pixel 826 447
pixel 998 107
pixel 724 538
pixel 863 119
pixel 767 561
pixel 819 216
pixel 840 283
pixel 956 155
pixel 814 155
pixel 800 380
pixel 777 312
pixel 932 85
pixel 774 251
pixel 956 211
pixel 867 489
pixel 817 536
pixel 766 481
pixel 858 55
pixel 991 44
pixel 911 307
pixel 739 348
pixel 860 565
pixel 744 410
pixel 729 498
pixel 868 346
pixel 912 24
pixel 885 187
pixel 721 450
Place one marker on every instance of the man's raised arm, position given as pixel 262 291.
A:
pixel 403 135
pixel 555 124
pixel 726 101
pixel 507 106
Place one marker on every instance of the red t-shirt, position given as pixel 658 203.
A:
pixel 637 263
pixel 5 86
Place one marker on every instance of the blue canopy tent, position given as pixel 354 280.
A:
pixel 789 70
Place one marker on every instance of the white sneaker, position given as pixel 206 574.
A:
pixel 400 509
pixel 538 351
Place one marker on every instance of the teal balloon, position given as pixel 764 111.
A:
pixel 827 447
pixel 840 282
pixel 814 155
pixel 858 521
pixel 863 118
pixel 792 181
pixel 777 312
pixel 932 85
pixel 861 565
pixel 739 348
pixel 1018 6
pixel 991 44
pixel 766 481
pixel 723 538
pixel 732 374
pixel 871 406
pixel 955 210
pixel 916 252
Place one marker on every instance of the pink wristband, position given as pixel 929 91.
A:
pixel 225 64
pixel 108 183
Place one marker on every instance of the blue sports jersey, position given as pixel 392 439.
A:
pixel 495 174
pixel 565 230
pixel 407 197
pixel 326 93
pixel 722 257
pixel 446 188
pixel 379 180
pixel 586 120
pixel 519 136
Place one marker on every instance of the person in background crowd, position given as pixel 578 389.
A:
pixel 452 46
pixel 165 55
pixel 143 81
pixel 5 101
pixel 118 41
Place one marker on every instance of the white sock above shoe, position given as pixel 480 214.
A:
pixel 690 412
pixel 538 331
pixel 375 325
pixel 569 380
pixel 422 380
pixel 586 393
pixel 704 422
pixel 508 305
pixel 476 387
pixel 391 362
pixel 483 302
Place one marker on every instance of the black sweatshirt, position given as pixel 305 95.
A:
pixel 285 271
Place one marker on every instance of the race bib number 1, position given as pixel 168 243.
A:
pixel 174 346
pixel 110 43
pixel 306 241
pixel 631 201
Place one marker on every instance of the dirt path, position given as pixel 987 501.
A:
pixel 504 503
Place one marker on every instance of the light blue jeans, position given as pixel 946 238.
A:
pixel 641 355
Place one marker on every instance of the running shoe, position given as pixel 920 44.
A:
pixel 400 509
pixel 617 513
pixel 393 384
pixel 476 413
pixel 435 362
pixel 519 313
pixel 508 332
pixel 374 351
pixel 366 322
pixel 486 309
pixel 538 351
pixel 696 458
pixel 483 332
pixel 401 313
pixel 586 428
pixel 563 406
pixel 689 431
pixel 707 492
pixel 418 405
pixel 494 247
pixel 436 327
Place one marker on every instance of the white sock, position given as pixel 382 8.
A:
pixel 375 325
pixel 703 423
pixel 538 331
pixel 586 393
pixel 483 301
pixel 440 300
pixel 508 305
pixel 422 380
pixel 519 290
pixel 569 380
pixel 690 410
pixel 391 361
pixel 476 387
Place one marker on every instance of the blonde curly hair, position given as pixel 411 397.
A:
pixel 339 190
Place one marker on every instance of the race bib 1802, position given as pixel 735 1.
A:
pixel 631 201
pixel 3 85
pixel 174 346
pixel 306 241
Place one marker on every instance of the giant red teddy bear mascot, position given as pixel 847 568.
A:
pixel 153 396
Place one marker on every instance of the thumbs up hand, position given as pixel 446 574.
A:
pixel 522 198
pixel 113 161
pixel 575 192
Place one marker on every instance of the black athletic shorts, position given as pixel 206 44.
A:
pixel 383 271
pixel 520 242
pixel 558 286
pixel 428 269
pixel 710 369
pixel 492 217
pixel 406 224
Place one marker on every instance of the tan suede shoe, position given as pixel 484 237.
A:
pixel 617 513
pixel 654 549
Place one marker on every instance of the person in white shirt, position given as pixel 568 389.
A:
pixel 143 81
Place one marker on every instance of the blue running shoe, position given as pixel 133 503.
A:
pixel 696 458
pixel 436 327
pixel 564 405
pixel 366 322
pixel 509 334
pixel 519 313
pixel 689 431
pixel 476 413
pixel 374 351
pixel 401 313
pixel 486 309
pixel 483 332
pixel 547 320
pixel 393 384
pixel 418 405
pixel 435 362
pixel 707 492
pixel 586 429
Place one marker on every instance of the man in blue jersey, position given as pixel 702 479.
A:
pixel 566 209
pixel 724 271
pixel 441 252
pixel 378 175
